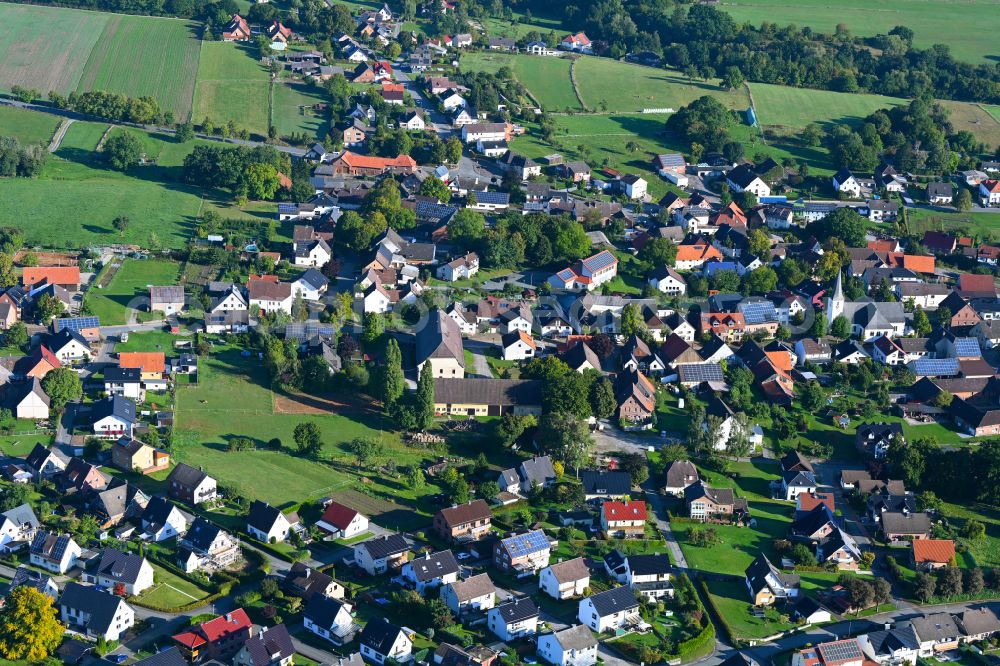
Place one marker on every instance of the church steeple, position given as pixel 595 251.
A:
pixel 835 304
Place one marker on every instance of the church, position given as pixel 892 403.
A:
pixel 869 319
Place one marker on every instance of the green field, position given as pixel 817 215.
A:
pixel 232 399
pixel 140 55
pixel 994 111
pixel 131 281
pixel 232 85
pixel 794 108
pixel 967 27
pixel 984 225
pixel 291 110
pixel 546 78
pixel 607 84
pixel 170 590
pixel 28 127
pixel 46 59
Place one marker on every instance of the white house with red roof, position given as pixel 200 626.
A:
pixel 579 43
pixel 623 519
pixel 342 522
pixel 238 30
pixel 989 192
pixel 587 274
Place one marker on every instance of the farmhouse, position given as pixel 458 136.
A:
pixel 367 165
pixel 168 300
pixel 238 30
pixel 439 343
pixel 67 277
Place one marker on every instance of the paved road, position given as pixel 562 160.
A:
pixel 439 122
pixel 60 133
pixel 478 348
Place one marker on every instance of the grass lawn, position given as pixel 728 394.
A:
pixel 975 118
pixel 22 440
pixel 129 283
pixel 80 140
pixel 149 341
pixel 292 112
pixel 984 552
pixel 611 85
pixel 142 55
pixel 232 399
pixel 733 602
pixel 53 59
pixel 232 85
pixel 170 590
pixel 59 193
pixel 28 126
pixel 984 225
pixel 546 78
pixel 788 108
pixel 967 30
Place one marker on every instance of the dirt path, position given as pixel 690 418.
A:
pixel 60 133
pixel 310 404
pixel 576 88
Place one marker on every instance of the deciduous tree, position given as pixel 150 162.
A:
pixel 29 628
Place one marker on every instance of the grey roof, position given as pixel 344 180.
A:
pixel 975 621
pixel 201 534
pixel 170 657
pixel 116 375
pixel 537 470
pixel 187 476
pixel 22 515
pixel 379 635
pixel 899 637
pixel 434 565
pixel 116 406
pixel 905 523
pixel 158 511
pixel 170 294
pixel 440 338
pixel 936 627
pixel 577 637
pixel 517 610
pixel 57 341
pixel 270 646
pixel 680 470
pixel 614 600
pixel 605 483
pixel 323 610
pixel 124 567
pixel 570 570
pixel 32 578
pixel 645 565
pixel 262 516
pixel 473 587
pixel 385 546
pixel 760 568
pixel 314 279
pixel 101 606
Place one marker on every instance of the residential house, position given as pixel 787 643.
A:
pixel 378 555
pixel 25 400
pixel 623 519
pixel 381 640
pixel 306 582
pixel 940 193
pixel 634 186
pixel 218 638
pixel 132 455
pixel 367 165
pixel 874 439
pixel 82 477
pixel 794 483
pixel 636 396
pixel 168 300
pixel 162 520
pixel 315 253
pixel 461 268
pixel 845 183
pixel 680 475
pixel 473 132
pixel 893 645
pixel 579 43
pixel 23 576
pixel 929 554
pixel 330 619
pixel 94 613
pixel 609 610
pixel 439 343
pixel 113 417
pixel 67 277
pixel 897 526
pixel 989 193
pixel 207 546
pixel 522 554
pixel 238 30
pixel 191 485
pixel 270 295
pixel 39 362
pixel 463 522
pixel 977 624
pixel 513 619
pixel 649 576
pixel 605 484
pixel 766 584
pixel 839 549
pixel 272 646
pixel 121 573
pixel 54 552
pixel 937 633
pixel 534 471
pixel 668 281
pixel 474 594
pixel 587 274
pixel 431 570
pixel 706 503
pixel 744 179
pixel 342 522
pixel 845 652
pixel 572 646
pixel 68 346
pixel 518 346
pixel 126 382
pixel 17 527
pixel 565 580
pixel 268 524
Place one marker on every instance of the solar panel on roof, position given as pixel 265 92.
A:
pixel 936 366
pixel 840 651
pixel 492 197
pixel 967 347
pixel 701 372
pixel 287 208
pixel 758 312
pixel 600 260
pixel 523 544
pixel 76 323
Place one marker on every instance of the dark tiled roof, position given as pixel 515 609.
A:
pixel 614 600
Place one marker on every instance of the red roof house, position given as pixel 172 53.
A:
pixel 220 637
pixel 238 30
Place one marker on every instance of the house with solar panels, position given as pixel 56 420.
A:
pixel 54 552
pixel 523 554
pixel 490 202
pixel 88 327
pixel 587 274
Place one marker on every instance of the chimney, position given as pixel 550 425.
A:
pixel 229 617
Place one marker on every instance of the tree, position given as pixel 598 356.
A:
pixel 921 323
pixel 963 200
pixel 14 495
pixel 632 322
pixel 569 438
pixel 62 385
pixel 841 328
pixel 436 188
pixel 882 592
pixel 393 382
pixel 924 586
pixel 511 426
pixel 29 628
pixel 760 244
pixel 185 132
pixel 602 398
pixel 8 277
pixel 949 582
pixel 974 530
pixel 365 450
pixel 16 335
pixel 974 581
pixel 120 224
pixel 760 280
pixel 49 306
pixel 636 466
pixel 374 327
pixel 261 180
pixel 424 404
pixel 659 252
pixel 122 151
pixel 466 228
pixel 733 78
pixel 843 223
pixel 488 490
pixel 308 438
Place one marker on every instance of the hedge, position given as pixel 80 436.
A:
pixel 715 609
pixel 698 646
